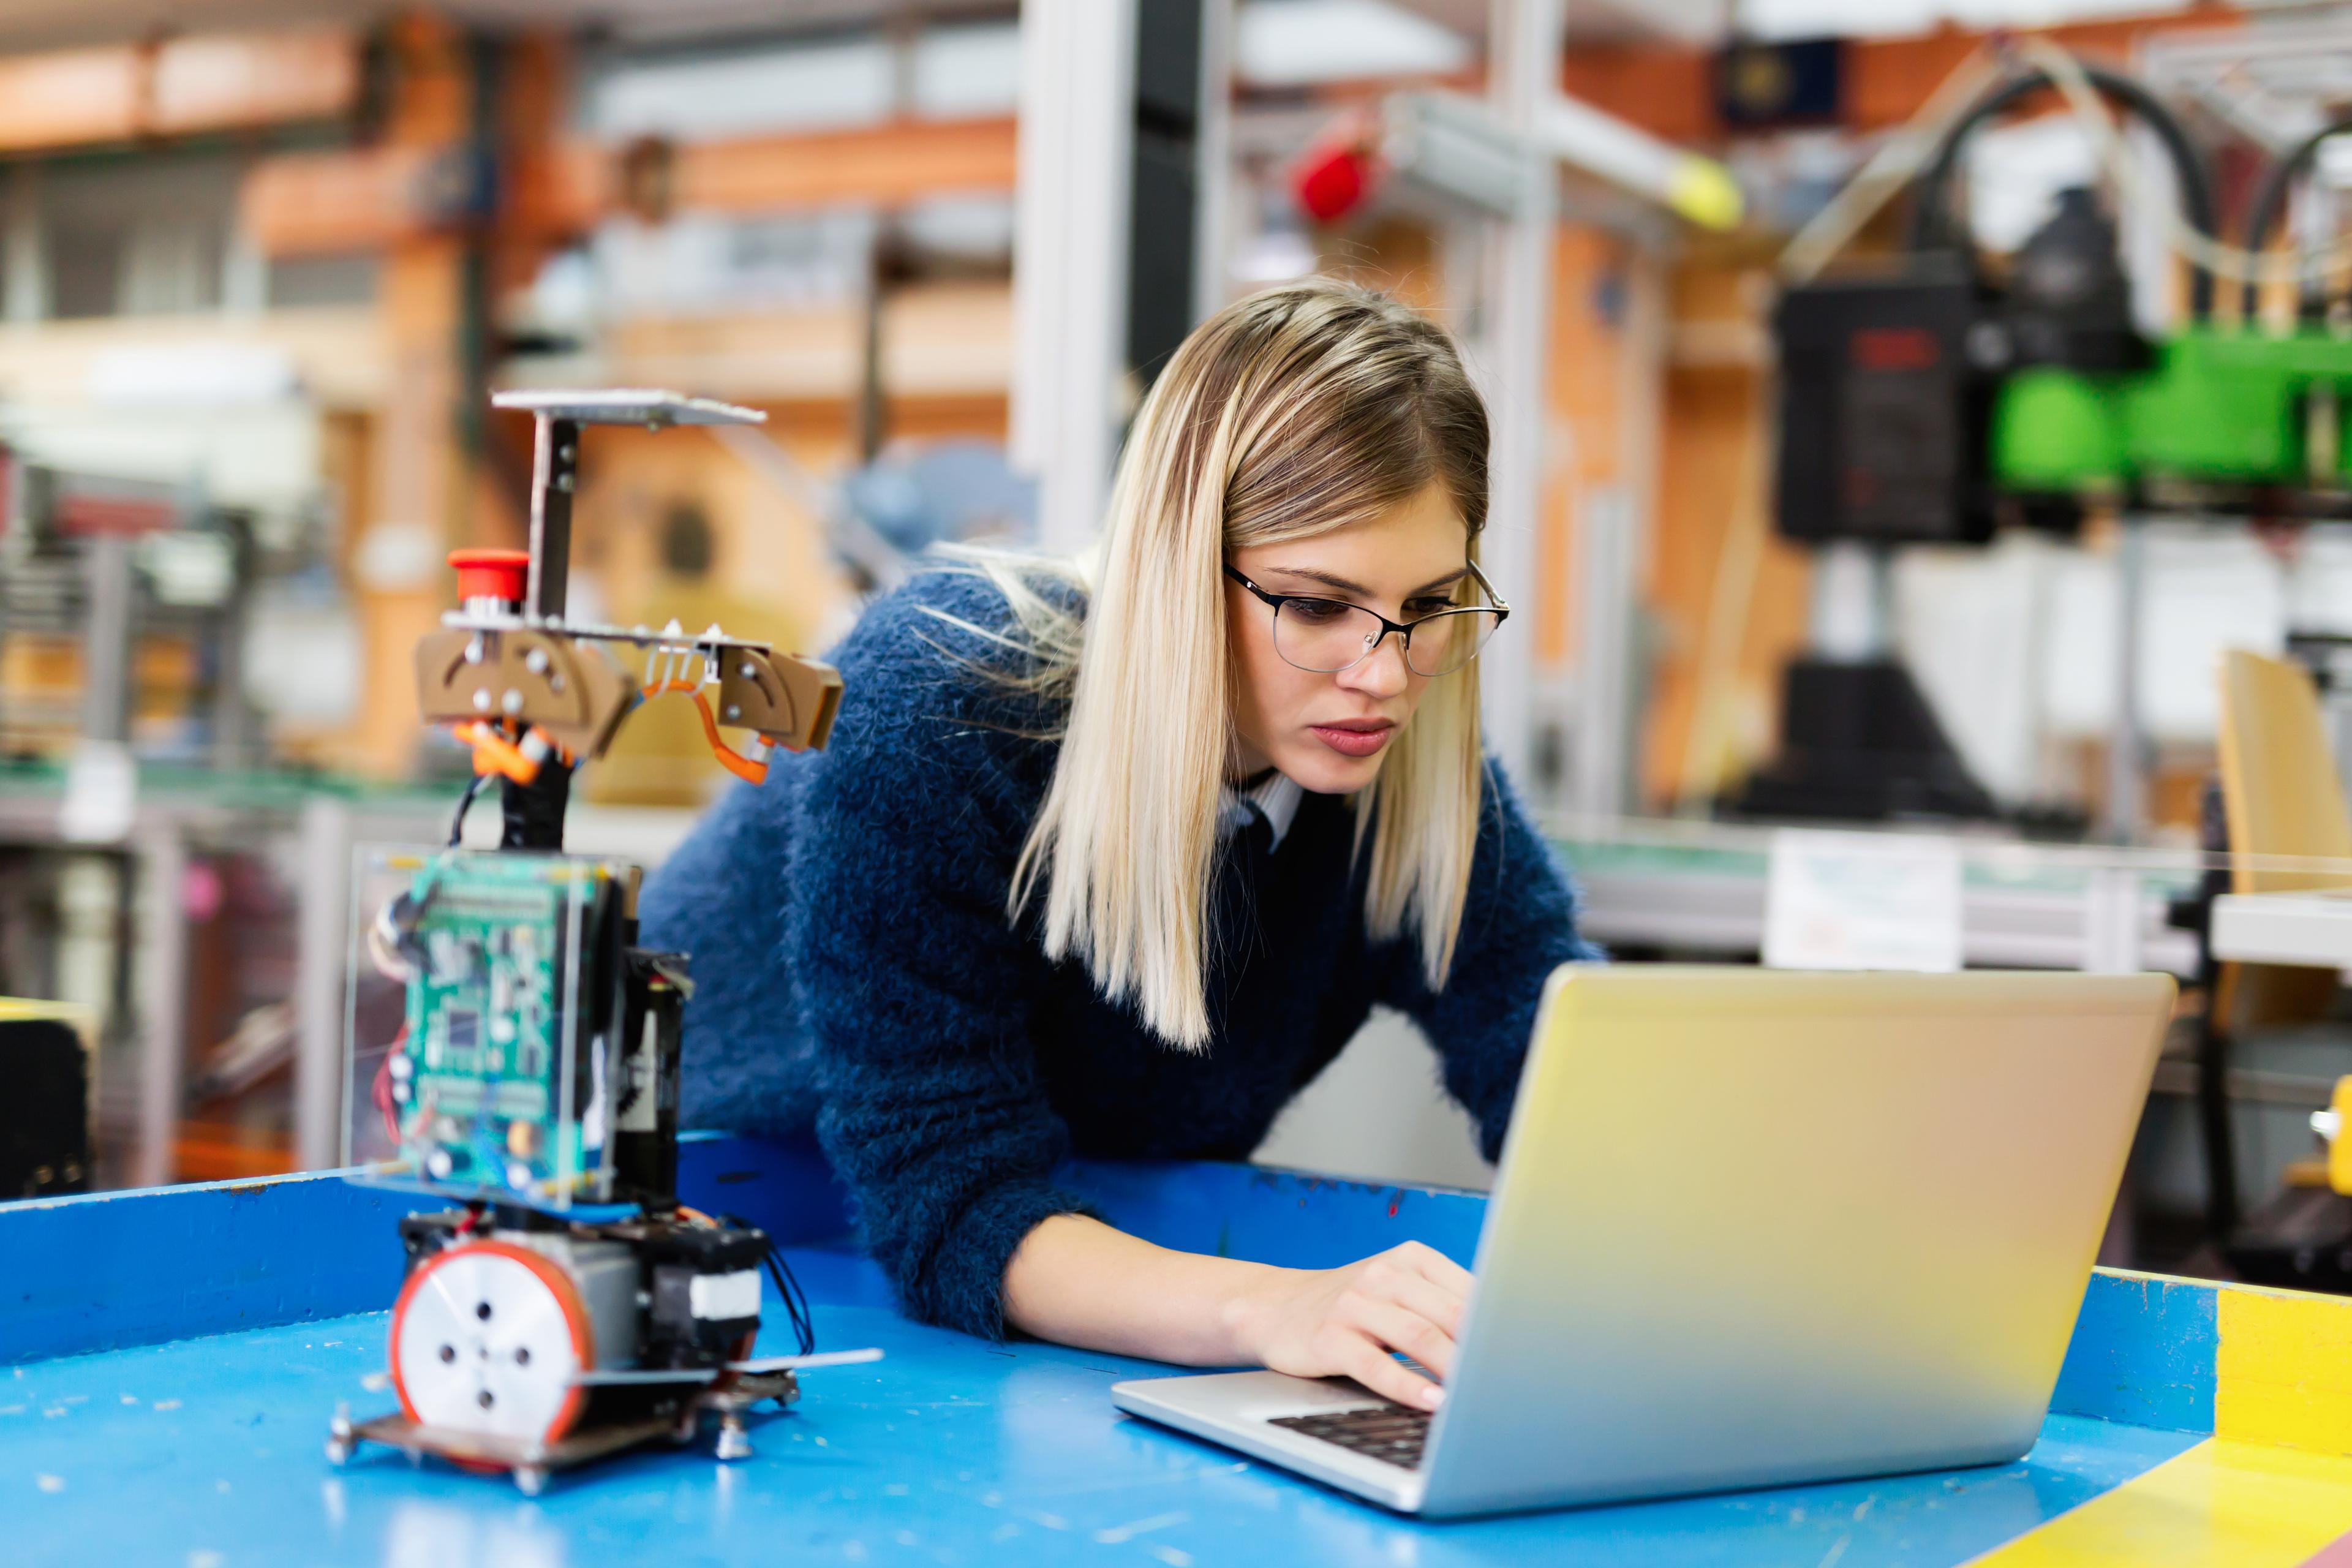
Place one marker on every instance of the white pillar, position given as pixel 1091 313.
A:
pixel 323 948
pixel 1069 252
pixel 1523 62
pixel 1212 162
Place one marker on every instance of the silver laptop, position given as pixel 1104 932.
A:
pixel 1752 1228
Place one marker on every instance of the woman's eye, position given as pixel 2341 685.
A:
pixel 1316 612
pixel 1427 606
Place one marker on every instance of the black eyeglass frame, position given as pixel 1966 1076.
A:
pixel 1501 611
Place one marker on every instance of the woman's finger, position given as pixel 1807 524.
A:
pixel 1411 1332
pixel 1390 1378
pixel 1436 1267
pixel 1419 1295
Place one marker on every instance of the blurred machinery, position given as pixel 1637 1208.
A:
pixel 572 1307
pixel 2301 1240
pixel 125 611
pixel 1941 399
pixel 115 564
pixel 45 1119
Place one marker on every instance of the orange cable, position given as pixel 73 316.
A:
pixel 734 762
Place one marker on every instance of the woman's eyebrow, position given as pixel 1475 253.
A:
pixel 1345 587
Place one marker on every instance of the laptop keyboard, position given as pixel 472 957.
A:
pixel 1391 1434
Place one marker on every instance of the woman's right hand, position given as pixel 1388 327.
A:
pixel 1344 1323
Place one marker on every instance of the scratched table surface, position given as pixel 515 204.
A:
pixel 169 1362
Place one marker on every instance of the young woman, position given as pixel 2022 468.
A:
pixel 1111 859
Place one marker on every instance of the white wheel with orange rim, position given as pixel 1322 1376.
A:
pixel 488 1338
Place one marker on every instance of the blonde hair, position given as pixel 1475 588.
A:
pixel 1289 413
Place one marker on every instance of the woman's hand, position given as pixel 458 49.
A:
pixel 1345 1322
pixel 1076 1281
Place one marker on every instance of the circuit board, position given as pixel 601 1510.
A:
pixel 495 1081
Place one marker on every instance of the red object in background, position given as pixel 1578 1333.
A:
pixel 1333 182
pixel 491 573
pixel 83 514
pixel 1332 178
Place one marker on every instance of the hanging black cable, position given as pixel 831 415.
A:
pixel 796 1307
pixel 1931 205
pixel 795 1300
pixel 2269 207
pixel 464 802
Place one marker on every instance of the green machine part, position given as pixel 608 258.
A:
pixel 2220 404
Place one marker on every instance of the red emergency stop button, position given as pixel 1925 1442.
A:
pixel 491 573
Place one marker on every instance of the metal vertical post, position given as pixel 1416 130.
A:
pixel 1523 44
pixel 2126 744
pixel 1599 766
pixel 161 1002
pixel 26 299
pixel 554 471
pixel 107 639
pixel 1069 247
pixel 2111 916
pixel 1163 223
pixel 322 905
pixel 1213 161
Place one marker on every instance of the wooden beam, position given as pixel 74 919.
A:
pixel 69 97
pixel 327 203
pixel 1668 90
pixel 888 165
pixel 319 202
pixel 74 98
pixel 422 485
pixel 225 82
pixel 1888 80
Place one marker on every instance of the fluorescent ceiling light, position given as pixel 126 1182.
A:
pixel 1288 43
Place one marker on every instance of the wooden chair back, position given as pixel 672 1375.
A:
pixel 2282 796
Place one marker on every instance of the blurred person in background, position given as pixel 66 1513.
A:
pixel 1111 857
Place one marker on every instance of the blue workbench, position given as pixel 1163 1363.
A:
pixel 169 1362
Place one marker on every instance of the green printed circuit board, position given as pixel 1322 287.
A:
pixel 494 1075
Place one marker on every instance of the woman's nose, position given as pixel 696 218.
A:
pixel 1382 672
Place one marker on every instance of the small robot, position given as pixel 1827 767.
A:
pixel 568 1307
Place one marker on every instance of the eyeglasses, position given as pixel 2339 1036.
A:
pixel 1328 636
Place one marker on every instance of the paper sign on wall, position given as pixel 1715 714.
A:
pixel 1862 900
pixel 101 793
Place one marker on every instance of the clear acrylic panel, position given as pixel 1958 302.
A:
pixel 478 1040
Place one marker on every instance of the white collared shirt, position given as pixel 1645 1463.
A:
pixel 1276 799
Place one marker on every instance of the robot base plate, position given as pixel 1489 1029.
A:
pixel 531 1463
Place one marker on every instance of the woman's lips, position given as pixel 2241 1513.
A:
pixel 1357 738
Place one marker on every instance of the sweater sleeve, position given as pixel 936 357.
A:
pixel 719 899
pixel 915 982
pixel 1518 924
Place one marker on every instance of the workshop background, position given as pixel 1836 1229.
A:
pixel 1925 522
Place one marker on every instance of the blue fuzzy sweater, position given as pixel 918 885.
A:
pixel 854 966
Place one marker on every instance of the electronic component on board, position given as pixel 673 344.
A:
pixel 567 1305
